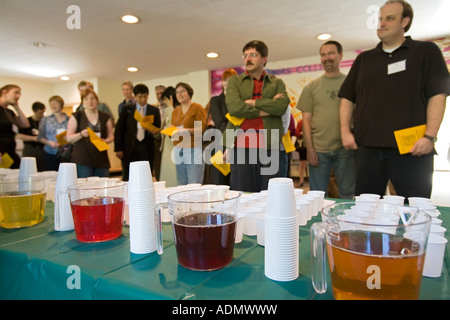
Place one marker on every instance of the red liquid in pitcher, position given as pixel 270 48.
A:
pixel 98 219
pixel 205 240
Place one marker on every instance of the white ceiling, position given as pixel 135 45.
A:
pixel 174 35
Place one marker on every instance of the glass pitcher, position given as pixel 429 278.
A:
pixel 373 252
pixel 204 227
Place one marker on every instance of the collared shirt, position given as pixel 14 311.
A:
pixel 391 90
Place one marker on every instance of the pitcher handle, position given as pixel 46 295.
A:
pixel 158 224
pixel 57 209
pixel 318 256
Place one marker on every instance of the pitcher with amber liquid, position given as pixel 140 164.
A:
pixel 377 254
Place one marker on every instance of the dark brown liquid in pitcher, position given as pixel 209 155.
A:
pixel 205 240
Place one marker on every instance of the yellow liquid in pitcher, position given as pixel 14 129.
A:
pixel 21 210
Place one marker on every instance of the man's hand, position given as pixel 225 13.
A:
pixel 119 154
pixel 311 157
pixel 348 141
pixel 422 147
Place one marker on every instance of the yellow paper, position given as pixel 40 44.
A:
pixel 169 131
pixel 96 141
pixel 7 161
pixel 146 122
pixel 287 143
pixel 217 161
pixel 406 138
pixel 61 138
pixel 234 120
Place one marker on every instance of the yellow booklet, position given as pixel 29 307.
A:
pixel 217 161
pixel 406 138
pixel 7 161
pixel 234 120
pixel 169 131
pixel 96 141
pixel 61 138
pixel 287 142
pixel 146 122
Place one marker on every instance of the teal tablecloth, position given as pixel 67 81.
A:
pixel 38 263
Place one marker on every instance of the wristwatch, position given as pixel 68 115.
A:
pixel 432 139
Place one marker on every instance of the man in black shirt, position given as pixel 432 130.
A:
pixel 400 84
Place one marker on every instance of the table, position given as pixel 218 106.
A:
pixel 40 263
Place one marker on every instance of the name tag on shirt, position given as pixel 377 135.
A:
pixel 397 67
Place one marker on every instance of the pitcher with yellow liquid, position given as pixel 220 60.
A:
pixel 22 202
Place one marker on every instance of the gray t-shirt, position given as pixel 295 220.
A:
pixel 320 98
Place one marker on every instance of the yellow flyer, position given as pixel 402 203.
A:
pixel 146 122
pixel 287 142
pixel 169 131
pixel 96 141
pixel 217 161
pixel 406 138
pixel 234 120
pixel 61 138
pixel 7 161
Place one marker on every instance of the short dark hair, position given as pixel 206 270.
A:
pixel 140 89
pixel 37 106
pixel 408 11
pixel 187 87
pixel 259 46
pixel 332 42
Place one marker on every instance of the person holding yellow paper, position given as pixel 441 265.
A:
pixel 89 160
pixel 10 122
pixel 401 83
pixel 49 128
pixel 132 142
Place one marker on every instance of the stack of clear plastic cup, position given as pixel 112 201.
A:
pixel 281 231
pixel 141 208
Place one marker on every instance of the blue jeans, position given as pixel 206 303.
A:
pixel 189 165
pixel 343 163
pixel 85 172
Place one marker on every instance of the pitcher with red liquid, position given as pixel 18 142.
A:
pixel 97 209
pixel 204 227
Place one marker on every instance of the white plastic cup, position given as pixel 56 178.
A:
pixel 140 178
pixel 67 176
pixel 251 226
pixel 261 235
pixel 394 199
pixel 281 198
pixel 434 257
pixel 240 225
pixel 303 208
pixel 437 230
pixel 27 167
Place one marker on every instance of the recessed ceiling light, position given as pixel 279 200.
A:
pixel 65 78
pixel 323 36
pixel 133 69
pixel 212 55
pixel 130 19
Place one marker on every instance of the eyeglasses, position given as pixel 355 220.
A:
pixel 252 55
pixel 180 91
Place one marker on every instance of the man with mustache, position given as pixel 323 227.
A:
pixel 399 84
pixel 319 103
pixel 260 99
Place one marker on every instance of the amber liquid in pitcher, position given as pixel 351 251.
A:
pixel 21 209
pixel 353 256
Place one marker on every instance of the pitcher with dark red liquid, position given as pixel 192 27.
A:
pixel 204 227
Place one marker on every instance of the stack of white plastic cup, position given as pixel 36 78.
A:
pixel 67 176
pixel 281 231
pixel 27 168
pixel 141 208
